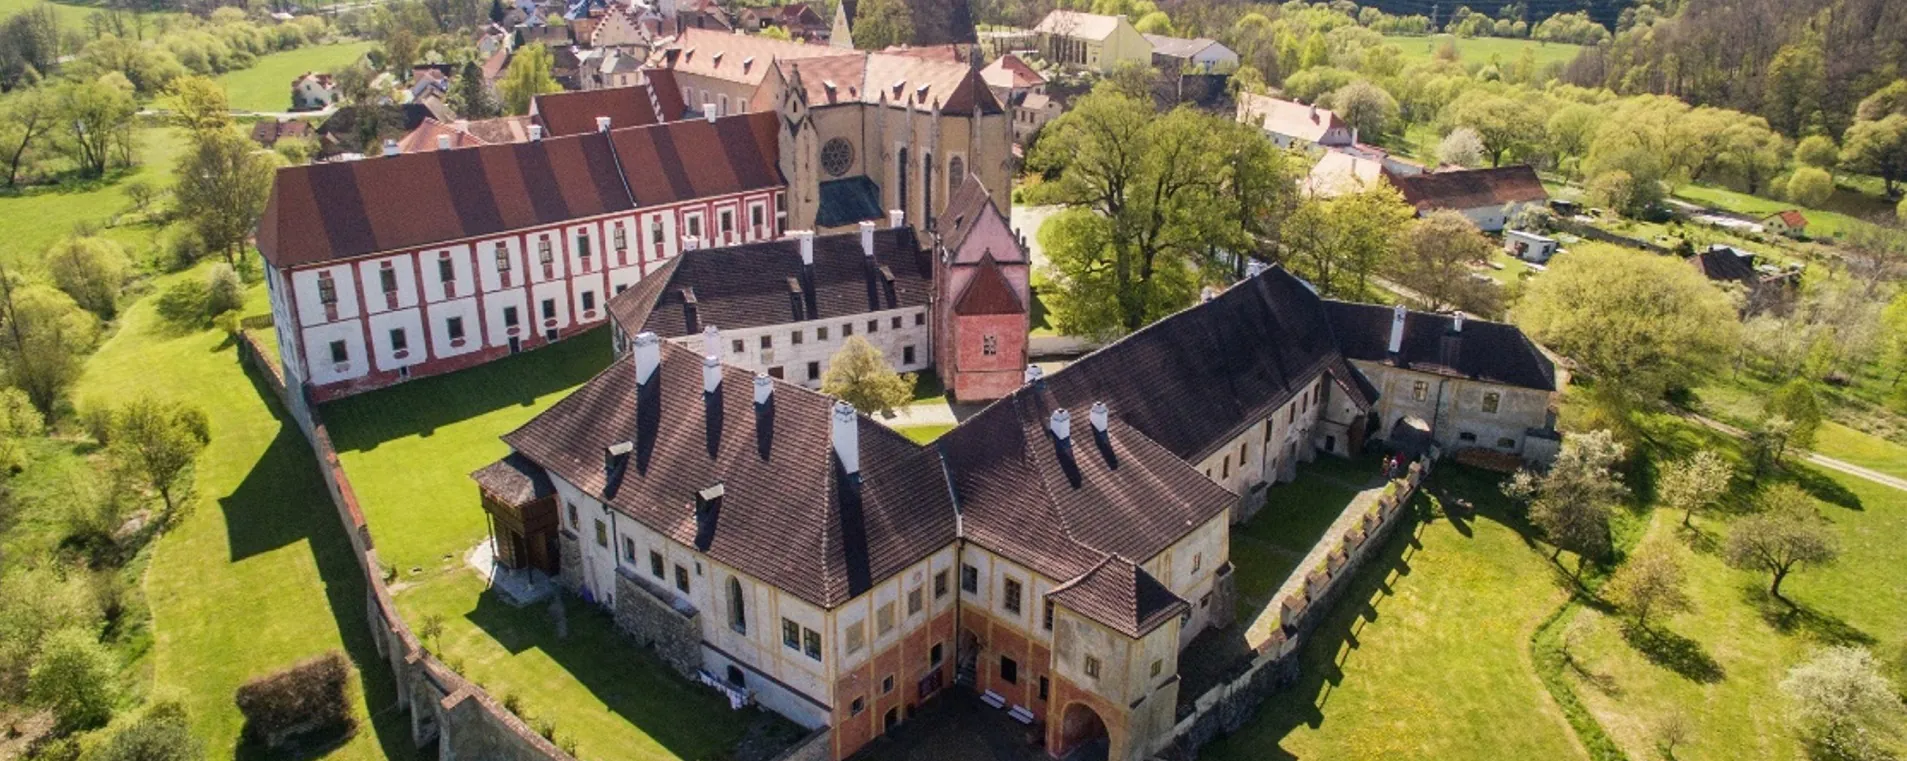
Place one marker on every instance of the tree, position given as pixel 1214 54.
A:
pixel 1695 484
pixel 1651 582
pixel 158 442
pixel 1787 534
pixel 1339 242
pixel 1506 125
pixel 1674 729
pixel 1570 502
pixel 400 51
pixel 1795 402
pixel 879 24
pixel 1768 442
pixel 1818 151
pixel 354 84
pixel 27 118
pixel 95 114
pixel 92 270
pixel 201 105
pixel 223 182
pixel 1846 708
pixel 1749 152
pixel 528 76
pixel 1435 262
pixel 859 375
pixel 1878 148
pixel 1462 147
pixel 1640 324
pixel 1627 194
pixel 496 11
pixel 1570 130
pixel 162 734
pixel 1367 108
pixel 1810 186
pixel 73 678
pixel 44 336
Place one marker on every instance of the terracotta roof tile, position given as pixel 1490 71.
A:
pixel 1471 188
pixel 574 113
pixel 1121 595
pixel 988 292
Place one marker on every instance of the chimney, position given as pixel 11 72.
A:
pixel 614 454
pixel 602 124
pixel 1450 349
pixel 1456 323
pixel 443 142
pixel 691 243
pixel 1061 424
pixel 648 356
pixel 536 132
pixel 764 389
pixel 390 147
pixel 1397 328
pixel 847 438
pixel 711 374
pixel 806 239
pixel 691 311
pixel 1034 374
pixel 708 112
pixel 1254 268
pixel 1206 294
pixel 712 341
pixel 1099 416
pixel 867 239
pixel 896 218
pixel 1354 136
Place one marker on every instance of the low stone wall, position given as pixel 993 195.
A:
pixel 446 709
pixel 650 615
pixel 817 746
pixel 1314 590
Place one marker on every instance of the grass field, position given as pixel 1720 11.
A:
pixel 72 15
pixel 37 218
pixel 1480 51
pixel 924 434
pixel 1832 220
pixel 259 575
pixel 1428 657
pixel 266 86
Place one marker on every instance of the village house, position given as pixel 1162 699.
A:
pixel 1091 41
pixel 312 92
pixel 268 132
pixel 800 20
pixel 1528 246
pixel 1198 55
pixel 1290 123
pixel 1022 89
pixel 1788 222
pixel 651 99
pixel 1765 287
pixel 1489 198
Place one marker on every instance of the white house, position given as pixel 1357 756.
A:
pixel 1529 246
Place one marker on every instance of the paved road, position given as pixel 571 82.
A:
pixel 1812 458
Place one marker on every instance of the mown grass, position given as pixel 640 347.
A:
pixel 925 434
pixel 1840 213
pixel 33 219
pixel 266 86
pixel 72 15
pixel 1482 51
pixel 259 574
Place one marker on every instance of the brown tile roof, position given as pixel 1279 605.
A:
pixel 970 203
pixel 1488 351
pixel 1287 117
pixel 1121 595
pixel 1471 188
pixel 424 138
pixel 857 76
pixel 936 22
pixel 755 285
pixel 743 58
pixel 573 113
pixel 514 481
pixel 338 210
pixel 494 65
pixel 502 129
pixel 787 515
pixel 1009 72
pixel 1725 264
pixel 683 160
pixel 988 292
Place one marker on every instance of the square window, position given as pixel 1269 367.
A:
pixel 1010 596
pixel 656 565
pixel 814 371
pixel 920 318
pixel 767 342
pixel 682 579
pixel 811 643
pixel 790 634
pixel 1491 401
pixel 1420 390
pixel 887 684
pixel 940 584
pixel 589 301
pixel 795 337
pixel 340 354
pixel 1092 667
pixel 873 325
pixel 736 346
pixel 855 708
pixel 821 333
pixel 857 637
pixel 847 329
pixel 1157 666
pixel 895 323
pixel 1467 437
pixel 969 579
pixel 1009 670
pixel 914 601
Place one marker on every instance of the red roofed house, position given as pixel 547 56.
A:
pixel 311 92
pixel 1789 223
pixel 1488 197
pixel 1289 122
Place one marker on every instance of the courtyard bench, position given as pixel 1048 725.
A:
pixel 993 699
pixel 1021 714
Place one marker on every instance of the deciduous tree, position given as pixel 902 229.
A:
pixel 43 337
pixel 92 270
pixel 159 441
pixel 1340 242
pixel 1695 484
pixel 859 375
pixel 95 114
pixel 223 182
pixel 1367 108
pixel 1796 402
pixel 1435 260
pixel 1651 582
pixel 1879 148
pixel 28 117
pixel 200 105
pixel 73 678
pixel 1462 147
pixel 528 76
pixel 1810 186
pixel 1787 534
pixel 1570 502
pixel 1818 151
pixel 879 24
pixel 1846 708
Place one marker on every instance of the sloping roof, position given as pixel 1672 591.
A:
pixel 936 22
pixel 573 113
pixel 846 201
pixel 514 480
pixel 1725 264
pixel 501 129
pixel 758 284
pixel 1338 173
pixel 742 58
pixel 988 292
pixel 1471 188
pixel 970 203
pixel 425 137
pixel 786 515
pixel 682 160
pixel 1488 351
pixel 1122 595
pixel 919 82
pixel 1790 217
pixel 1287 117
pixel 1008 72
pixel 494 65
pixel 1179 47
pixel 1085 26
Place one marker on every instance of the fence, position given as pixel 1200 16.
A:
pixel 464 721
pixel 1293 614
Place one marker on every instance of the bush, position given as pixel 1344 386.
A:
pixel 184 303
pixel 310 699
pixel 91 270
pixel 73 678
pixel 184 247
pixel 1817 151
pixel 160 735
pixel 224 291
pixel 1810 186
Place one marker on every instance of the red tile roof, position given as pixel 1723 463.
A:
pixel 682 160
pixel 1792 218
pixel 573 113
pixel 1471 188
pixel 988 292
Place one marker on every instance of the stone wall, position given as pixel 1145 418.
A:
pixel 673 628
pixel 1224 597
pixel 462 720
pixel 817 746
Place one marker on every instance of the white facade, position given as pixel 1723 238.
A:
pixel 799 352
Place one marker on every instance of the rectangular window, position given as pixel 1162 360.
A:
pixel 602 533
pixel 790 634
pixel 795 337
pixel 887 684
pixel 400 341
pixel 1009 670
pixel 446 269
pixel 327 289
pixel 736 346
pixel 857 637
pixel 1046 618
pixel 695 225
pixel 1225 468
pixel 940 584
pixel 755 215
pixel 969 579
pixel 387 278
pixel 589 301
pixel 619 237
pixel 1420 390
pixel 455 327
pixel 1092 667
pixel 628 550
pixel 855 708
pixel 728 222
pixel 549 309
pixel 920 318
pixel 1158 665
pixel 655 233
pixel 571 508
pixel 989 345
pixel 503 256
pixel 811 643
pixel 884 619
pixel 509 317
pixel 847 329
pixel 907 355
pixel 1506 443
pixel 682 579
pixel 339 354
pixel 873 325
pixel 1198 559
pixel 914 601
pixel 1010 594
pixel 543 253
pixel 933 654
pixel 1045 689
pixel 821 333
pixel 1490 402
pixel 814 371
pixel 895 323
pixel 655 564
pixel 767 342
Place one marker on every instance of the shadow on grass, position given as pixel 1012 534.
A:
pixel 1674 652
pixel 1822 487
pixel 687 719
pixel 1795 618
pixel 283 501
pixel 420 407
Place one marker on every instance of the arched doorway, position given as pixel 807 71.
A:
pixel 1082 735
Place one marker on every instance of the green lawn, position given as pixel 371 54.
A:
pixel 260 573
pixel 924 434
pixel 72 15
pixel 266 86
pixel 1833 220
pixel 1428 657
pixel 38 217
pixel 1480 51
pixel 1265 550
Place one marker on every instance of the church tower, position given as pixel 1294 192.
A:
pixel 800 148
pixel 982 301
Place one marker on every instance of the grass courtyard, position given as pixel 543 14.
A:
pixel 266 86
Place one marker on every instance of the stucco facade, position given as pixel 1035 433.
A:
pixel 1462 413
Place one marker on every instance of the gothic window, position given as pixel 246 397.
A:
pixel 737 612
pixel 837 157
pixel 956 171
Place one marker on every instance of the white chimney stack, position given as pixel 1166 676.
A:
pixel 1061 424
pixel 1099 416
pixel 602 124
pixel 847 437
pixel 1456 323
pixel 806 238
pixel 764 388
pixel 390 147
pixel 536 132
pixel 1034 373
pixel 443 142
pixel 691 243
pixel 708 112
pixel 712 341
pixel 896 218
pixel 647 354
pixel 1397 328
pixel 867 239
pixel 711 374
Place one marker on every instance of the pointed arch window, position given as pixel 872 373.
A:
pixel 737 608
